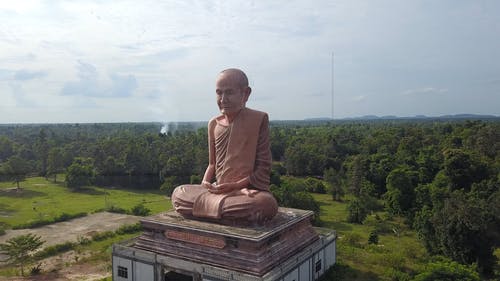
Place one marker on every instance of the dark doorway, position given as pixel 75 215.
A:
pixel 174 276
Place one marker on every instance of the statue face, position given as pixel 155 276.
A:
pixel 231 97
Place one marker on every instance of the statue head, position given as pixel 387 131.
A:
pixel 232 91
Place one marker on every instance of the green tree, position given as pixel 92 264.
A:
pixel 314 185
pixel 408 146
pixel 277 143
pixel 19 249
pixel 169 185
pixel 356 211
pixel 462 169
pixel 381 164
pixel 400 196
pixel 6 148
pixel 373 237
pixel 428 160
pixel 291 194
pixel 467 230
pixel 333 179
pixel 485 140
pixel 42 150
pixel 17 169
pixel 80 173
pixel 424 227
pixel 446 270
pixel 195 179
pixel 356 174
pixel 54 162
pixel 304 158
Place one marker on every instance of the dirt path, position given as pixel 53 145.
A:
pixel 61 232
pixel 62 267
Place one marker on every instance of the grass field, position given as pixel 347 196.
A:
pixel 42 199
pixel 397 254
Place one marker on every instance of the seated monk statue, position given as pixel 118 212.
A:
pixel 239 160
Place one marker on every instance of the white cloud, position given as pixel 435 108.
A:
pixel 91 84
pixel 19 6
pixel 24 74
pixel 359 98
pixel 425 91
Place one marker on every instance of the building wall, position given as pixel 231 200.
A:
pixel 119 264
pixel 293 275
pixel 305 271
pixel 140 266
pixel 143 271
pixel 318 265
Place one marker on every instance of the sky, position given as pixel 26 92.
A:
pixel 140 61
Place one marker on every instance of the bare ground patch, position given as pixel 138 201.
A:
pixel 61 232
pixel 67 266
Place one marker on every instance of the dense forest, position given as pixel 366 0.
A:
pixel 442 177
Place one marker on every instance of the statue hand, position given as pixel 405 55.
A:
pixel 249 192
pixel 207 185
pixel 223 188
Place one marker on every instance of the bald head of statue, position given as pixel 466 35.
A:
pixel 240 77
pixel 232 91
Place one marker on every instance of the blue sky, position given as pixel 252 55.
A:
pixel 132 61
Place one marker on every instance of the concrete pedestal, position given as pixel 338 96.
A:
pixel 200 250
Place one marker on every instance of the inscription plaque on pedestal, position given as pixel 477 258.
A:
pixel 195 239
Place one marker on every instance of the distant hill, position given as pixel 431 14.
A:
pixel 392 117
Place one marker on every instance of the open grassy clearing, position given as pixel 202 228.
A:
pixel 42 199
pixel 364 261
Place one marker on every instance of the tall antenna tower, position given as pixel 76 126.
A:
pixel 332 85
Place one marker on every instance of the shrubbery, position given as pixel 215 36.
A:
pixel 55 249
pixel 99 236
pixel 137 210
pixel 169 185
pixel 300 200
pixel 38 223
pixel 140 210
pixel 314 185
pixel 129 228
pixel 115 209
pixel 445 269
pixel 373 237
pixel 353 239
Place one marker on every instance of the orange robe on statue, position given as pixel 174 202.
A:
pixel 241 150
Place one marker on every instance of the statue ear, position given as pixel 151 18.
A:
pixel 247 92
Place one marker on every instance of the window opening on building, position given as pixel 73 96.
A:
pixel 318 265
pixel 122 272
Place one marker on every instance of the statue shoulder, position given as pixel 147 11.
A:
pixel 215 120
pixel 256 113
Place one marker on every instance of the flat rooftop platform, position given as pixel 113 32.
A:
pixel 285 218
